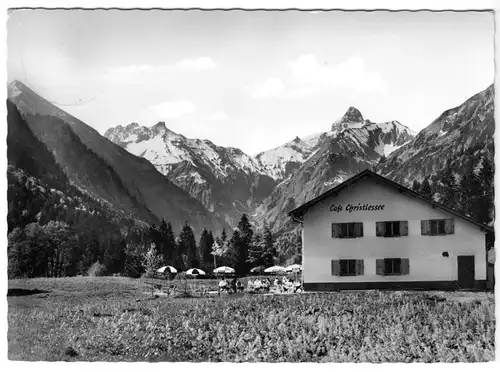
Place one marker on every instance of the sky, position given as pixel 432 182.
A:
pixel 251 80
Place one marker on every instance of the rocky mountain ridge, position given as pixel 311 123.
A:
pixel 229 182
pixel 355 144
pixel 469 126
pixel 224 179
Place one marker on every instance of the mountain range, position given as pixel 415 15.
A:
pixel 158 173
pixel 224 179
pixel 229 182
pixel 350 146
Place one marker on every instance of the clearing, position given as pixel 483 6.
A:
pixel 111 319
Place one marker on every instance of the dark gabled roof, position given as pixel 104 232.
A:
pixel 297 213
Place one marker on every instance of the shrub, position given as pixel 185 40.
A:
pixel 97 269
pixel 151 261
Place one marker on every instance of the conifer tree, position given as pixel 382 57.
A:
pixel 416 186
pixel 486 176
pixel 242 243
pixel 169 246
pixel 237 253
pixel 206 243
pixel 256 251
pixel 162 233
pixel 425 188
pixel 223 236
pixel 187 247
pixel 449 188
pixel 155 236
pixel 469 192
pixel 270 253
pixel 484 205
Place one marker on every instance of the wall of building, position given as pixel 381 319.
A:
pixel 424 252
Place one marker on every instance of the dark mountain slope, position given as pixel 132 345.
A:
pixel 82 166
pixel 36 180
pixel 26 152
pixel 104 168
pixel 457 135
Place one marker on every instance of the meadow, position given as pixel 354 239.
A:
pixel 113 319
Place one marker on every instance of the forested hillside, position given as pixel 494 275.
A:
pixel 56 229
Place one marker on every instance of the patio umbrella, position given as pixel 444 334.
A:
pixel 258 269
pixel 168 269
pixel 195 272
pixel 224 270
pixel 294 268
pixel 275 269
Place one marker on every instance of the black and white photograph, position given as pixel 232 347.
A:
pixel 250 185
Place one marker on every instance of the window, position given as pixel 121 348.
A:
pixel 438 227
pixel 348 267
pixel 347 230
pixel 389 229
pixel 393 266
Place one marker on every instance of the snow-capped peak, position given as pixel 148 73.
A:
pixel 280 161
pixel 14 89
pixel 383 138
pixel 352 115
pixel 351 119
pixel 165 148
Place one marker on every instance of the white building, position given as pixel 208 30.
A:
pixel 372 233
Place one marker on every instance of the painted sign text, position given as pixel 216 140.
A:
pixel 356 208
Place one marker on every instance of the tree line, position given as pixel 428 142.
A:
pixel 54 233
pixel 245 249
pixel 469 191
pixel 57 229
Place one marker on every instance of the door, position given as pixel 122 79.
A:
pixel 466 273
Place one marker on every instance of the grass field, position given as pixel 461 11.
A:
pixel 111 319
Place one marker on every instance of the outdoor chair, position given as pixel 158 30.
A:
pixel 170 290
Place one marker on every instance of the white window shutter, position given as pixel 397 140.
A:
pixel 405 266
pixel 403 227
pixel 336 267
pixel 380 228
pixel 380 266
pixel 449 226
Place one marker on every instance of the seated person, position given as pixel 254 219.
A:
pixel 297 286
pixel 290 285
pixel 223 285
pixel 257 284
pixel 250 284
pixel 239 286
pixel 233 285
pixel 266 284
